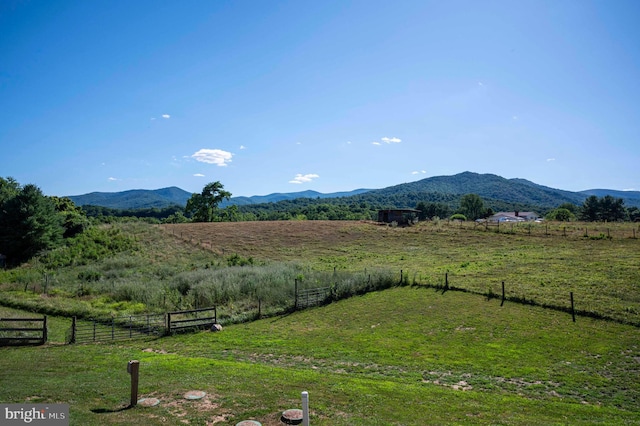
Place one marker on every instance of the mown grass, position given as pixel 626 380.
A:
pixel 404 356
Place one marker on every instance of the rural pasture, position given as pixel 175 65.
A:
pixel 411 354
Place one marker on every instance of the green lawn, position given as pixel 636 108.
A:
pixel 405 356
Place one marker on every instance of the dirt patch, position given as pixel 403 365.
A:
pixel 268 239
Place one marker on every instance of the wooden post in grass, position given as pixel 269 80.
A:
pixel 133 369
pixel 446 280
pixel 296 298
pixel 73 330
pixel 259 309
pixel 502 303
pixel 44 330
pixel 573 312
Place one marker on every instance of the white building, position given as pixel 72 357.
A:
pixel 513 217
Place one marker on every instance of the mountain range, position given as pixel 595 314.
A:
pixel 489 186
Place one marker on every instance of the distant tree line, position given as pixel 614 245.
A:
pixel 594 209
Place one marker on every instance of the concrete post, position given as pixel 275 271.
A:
pixel 305 408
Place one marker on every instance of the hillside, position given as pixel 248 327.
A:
pixel 165 197
pixel 498 192
pixel 134 199
pixel 279 196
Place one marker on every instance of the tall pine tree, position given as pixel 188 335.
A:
pixel 29 223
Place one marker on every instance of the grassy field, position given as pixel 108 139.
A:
pixel 541 265
pixel 409 355
pixel 404 356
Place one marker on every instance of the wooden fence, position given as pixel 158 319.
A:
pixel 129 327
pixel 23 331
pixel 116 328
pixel 195 319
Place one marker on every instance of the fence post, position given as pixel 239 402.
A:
pixel 113 328
pixel 94 330
pixel 133 368
pixel 295 306
pixel 44 330
pixel 73 330
pixel 169 323
pixel 130 325
pixel 446 280
pixel 573 312
pixel 502 303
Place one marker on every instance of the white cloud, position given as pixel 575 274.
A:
pixel 198 175
pixel 243 147
pixel 300 178
pixel 376 143
pixel 112 179
pixel 391 140
pixel 153 118
pixel 550 159
pixel 421 172
pixel 213 156
pixel 166 116
pixel 515 117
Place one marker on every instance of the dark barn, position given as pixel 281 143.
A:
pixel 400 216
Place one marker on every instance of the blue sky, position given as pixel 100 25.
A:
pixel 285 96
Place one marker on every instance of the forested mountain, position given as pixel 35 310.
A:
pixel 166 197
pixel 279 196
pixel 134 199
pixel 498 193
pixel 488 186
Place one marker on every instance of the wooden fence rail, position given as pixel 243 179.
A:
pixel 194 319
pixel 28 334
pixel 117 328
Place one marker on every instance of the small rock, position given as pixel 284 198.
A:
pixel 216 327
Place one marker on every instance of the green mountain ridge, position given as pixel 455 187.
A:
pixel 499 192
